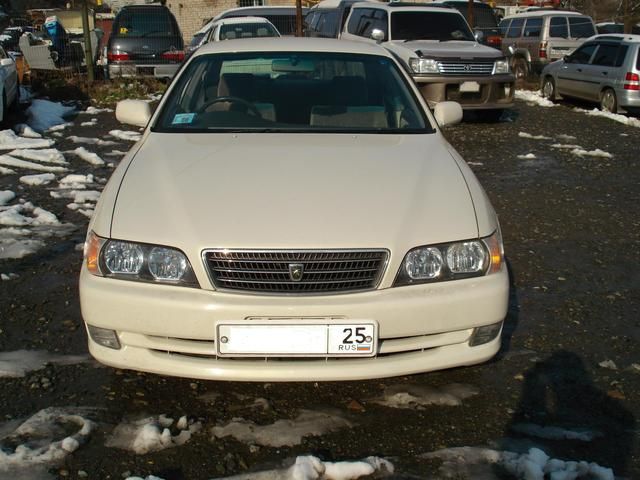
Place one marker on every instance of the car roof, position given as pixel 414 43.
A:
pixel 406 7
pixel 234 20
pixel 545 13
pixel 626 37
pixel 258 10
pixel 302 45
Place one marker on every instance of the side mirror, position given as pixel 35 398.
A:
pixel 479 34
pixel 133 112
pixel 448 113
pixel 6 62
pixel 567 59
pixel 377 35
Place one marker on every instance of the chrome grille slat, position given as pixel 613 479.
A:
pixel 324 271
pixel 465 68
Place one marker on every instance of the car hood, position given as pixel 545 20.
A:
pixel 197 191
pixel 454 49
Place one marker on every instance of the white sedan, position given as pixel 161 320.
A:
pixel 293 212
pixel 8 84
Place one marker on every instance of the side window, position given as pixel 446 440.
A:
pixel 533 27
pixel 581 27
pixel 622 53
pixel 354 20
pixel 583 54
pixel 558 27
pixel 309 19
pixel 504 26
pixel 606 55
pixel 515 29
pixel 381 22
pixel 328 23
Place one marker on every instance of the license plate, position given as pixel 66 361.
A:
pixel 466 87
pixel 297 339
pixel 146 70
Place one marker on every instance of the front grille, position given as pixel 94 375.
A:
pixel 296 272
pixel 466 68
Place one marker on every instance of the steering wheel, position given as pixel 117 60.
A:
pixel 250 107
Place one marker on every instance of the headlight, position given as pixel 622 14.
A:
pixel 451 261
pixel 501 66
pixel 424 65
pixel 138 261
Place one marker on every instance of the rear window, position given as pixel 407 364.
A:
pixel 581 27
pixel 246 30
pixel 441 26
pixel 145 22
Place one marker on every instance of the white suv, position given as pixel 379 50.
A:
pixel 438 48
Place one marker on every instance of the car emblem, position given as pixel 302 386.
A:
pixel 467 67
pixel 295 271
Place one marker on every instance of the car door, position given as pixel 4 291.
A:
pixel 558 42
pixel 570 78
pixel 602 72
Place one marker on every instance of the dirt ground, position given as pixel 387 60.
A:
pixel 572 237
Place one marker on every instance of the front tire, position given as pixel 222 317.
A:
pixel 609 101
pixel 520 70
pixel 549 89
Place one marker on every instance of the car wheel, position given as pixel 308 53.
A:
pixel 608 101
pixel 549 89
pixel 492 115
pixel 520 70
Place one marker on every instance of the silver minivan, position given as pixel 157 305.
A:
pixel 605 69
pixel 537 38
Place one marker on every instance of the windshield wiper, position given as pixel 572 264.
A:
pixel 146 34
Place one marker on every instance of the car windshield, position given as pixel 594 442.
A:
pixel 441 26
pixel 292 92
pixel 247 30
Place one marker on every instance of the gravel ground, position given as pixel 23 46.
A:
pixel 571 230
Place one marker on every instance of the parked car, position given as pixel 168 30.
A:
pixel 145 40
pixel 437 46
pixel 327 18
pixel 232 28
pixel 536 38
pixel 245 236
pixel 283 18
pixel 612 27
pixel 8 84
pixel 485 22
pixel 605 69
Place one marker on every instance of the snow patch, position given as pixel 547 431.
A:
pixel 25 130
pixel 283 432
pixel 37 180
pixel 87 156
pixel 126 135
pixel 46 155
pixel 16 162
pixel 5 277
pixel 609 364
pixel 528 156
pixel 581 152
pixel 565 146
pixel 76 181
pixel 565 137
pixel 6 196
pixel 533 97
pixel 616 117
pixel 92 141
pixel 116 153
pixel 91 110
pixel 418 396
pixel 44 114
pixel 474 462
pixel 9 141
pixel 533 137
pixel 20 362
pixel 6 171
pixel 150 434
pixel 90 123
pixel 37 441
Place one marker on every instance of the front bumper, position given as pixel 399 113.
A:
pixel 171 330
pixel 124 69
pixel 495 91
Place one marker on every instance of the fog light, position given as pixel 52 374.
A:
pixel 482 335
pixel 105 337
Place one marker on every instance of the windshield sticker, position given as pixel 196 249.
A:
pixel 183 118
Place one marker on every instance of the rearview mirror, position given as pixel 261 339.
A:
pixel 293 65
pixel 133 112
pixel 377 35
pixel 448 113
